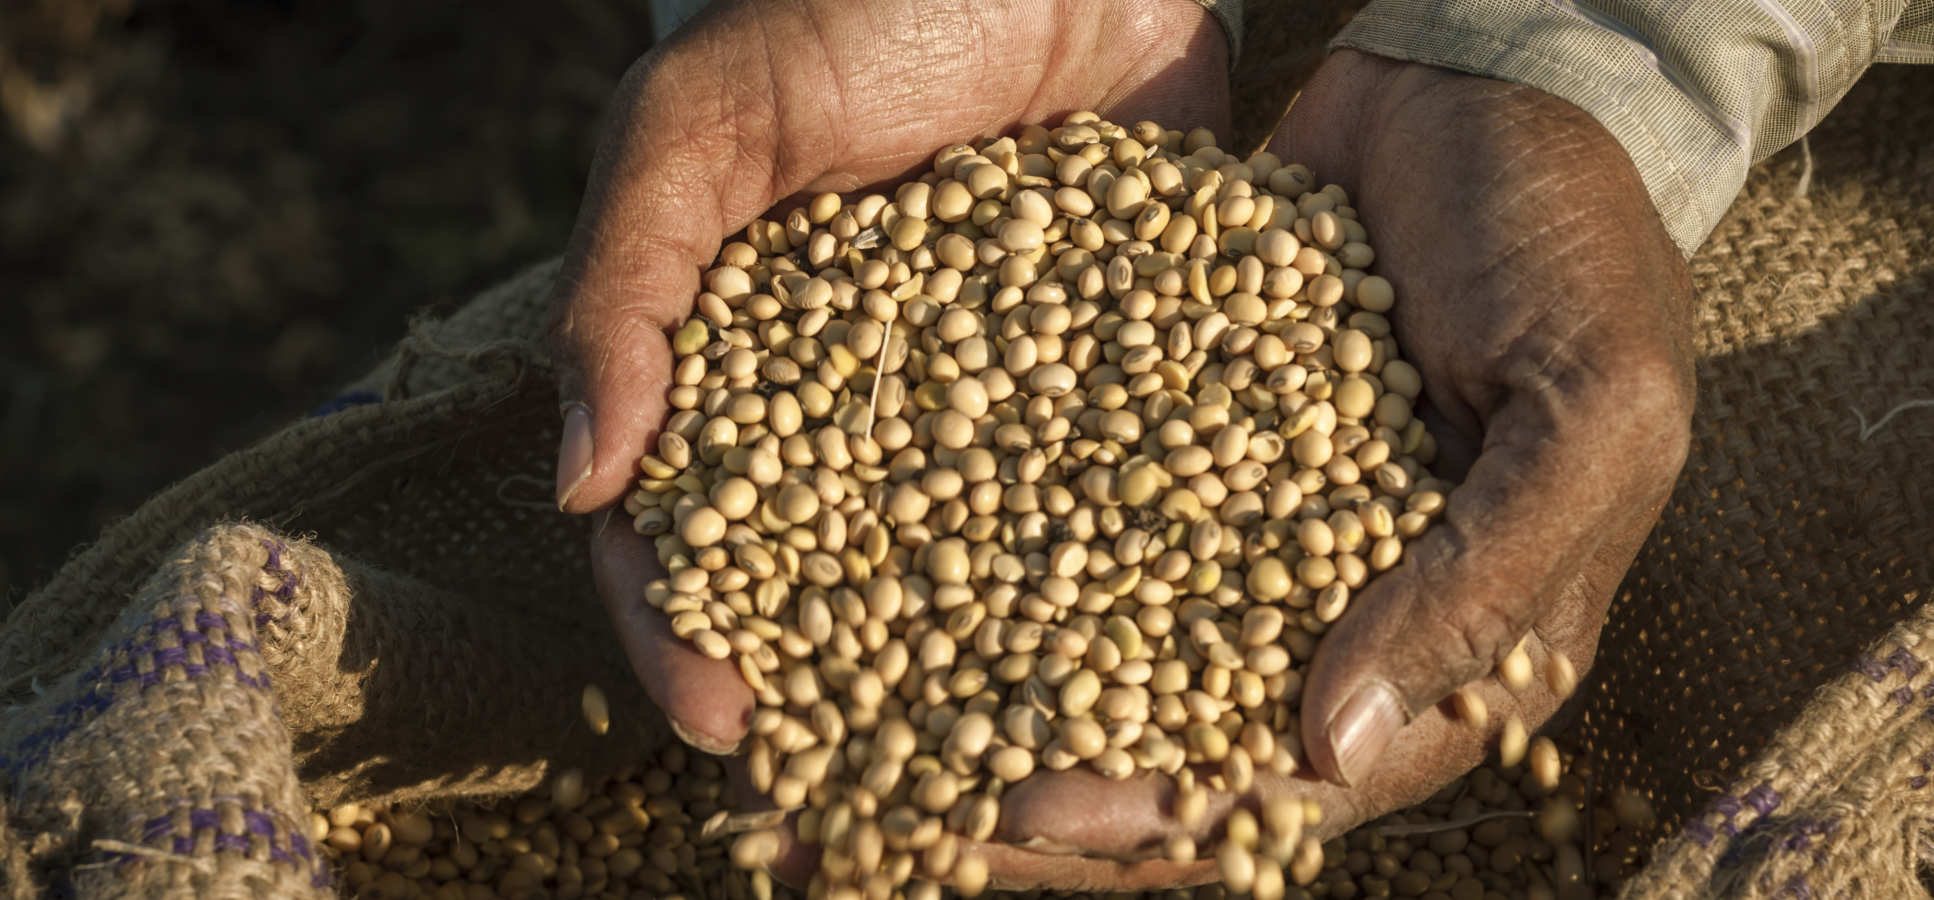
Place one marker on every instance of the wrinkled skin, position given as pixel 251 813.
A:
pixel 1538 295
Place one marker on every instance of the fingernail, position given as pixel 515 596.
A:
pixel 1362 730
pixel 573 452
pixel 716 748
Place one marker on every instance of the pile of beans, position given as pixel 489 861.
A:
pixel 1065 454
pixel 1499 833
pixel 637 835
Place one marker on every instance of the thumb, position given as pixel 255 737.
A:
pixel 686 157
pixel 629 275
pixel 1550 514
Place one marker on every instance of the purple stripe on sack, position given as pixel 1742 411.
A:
pixel 274 567
pixel 220 654
pixel 168 657
pixel 36 746
pixel 1766 835
pixel 284 593
pixel 204 620
pixel 1903 696
pixel 66 717
pixel 236 842
pixel 1797 887
pixel 1802 833
pixel 1762 799
pixel 297 852
pixel 344 401
pixel 1900 661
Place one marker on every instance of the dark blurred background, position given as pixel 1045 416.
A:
pixel 212 214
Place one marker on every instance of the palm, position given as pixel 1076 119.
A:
pixel 815 99
pixel 848 97
pixel 753 104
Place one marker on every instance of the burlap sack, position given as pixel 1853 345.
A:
pixel 1766 669
pixel 188 685
pixel 437 649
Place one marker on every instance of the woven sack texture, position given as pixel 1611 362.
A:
pixel 170 738
pixel 447 634
pixel 1765 669
pixel 1764 675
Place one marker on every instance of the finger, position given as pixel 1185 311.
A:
pixel 1010 867
pixel 706 700
pixel 1018 869
pixel 1080 816
pixel 687 156
pixel 1574 450
pixel 794 861
pixel 1078 811
pixel 630 274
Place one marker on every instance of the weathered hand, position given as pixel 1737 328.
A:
pixel 750 105
pixel 1549 315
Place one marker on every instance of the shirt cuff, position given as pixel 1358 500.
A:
pixel 1692 156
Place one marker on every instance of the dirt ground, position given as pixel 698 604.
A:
pixel 212 214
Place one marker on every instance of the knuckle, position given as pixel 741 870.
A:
pixel 1467 644
pixel 1656 393
pixel 651 279
pixel 1465 602
pixel 1657 379
pixel 1629 395
pixel 616 347
pixel 1479 634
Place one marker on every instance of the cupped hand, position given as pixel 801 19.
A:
pixel 756 102
pixel 1550 316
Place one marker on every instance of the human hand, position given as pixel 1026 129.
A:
pixel 1550 317
pixel 757 102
